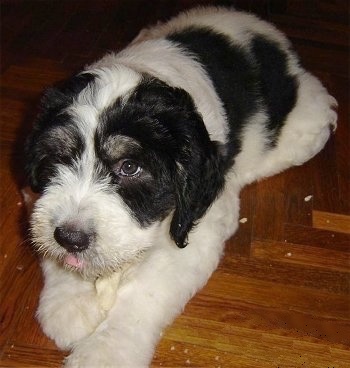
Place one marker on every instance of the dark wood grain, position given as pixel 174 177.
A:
pixel 280 297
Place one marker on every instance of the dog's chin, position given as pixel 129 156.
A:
pixel 75 263
pixel 92 267
pixel 90 270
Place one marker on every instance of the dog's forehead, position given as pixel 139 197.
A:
pixel 109 84
pixel 83 116
pixel 122 113
pixel 116 146
pixel 151 115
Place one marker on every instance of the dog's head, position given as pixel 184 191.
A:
pixel 114 154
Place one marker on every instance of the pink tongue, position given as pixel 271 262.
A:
pixel 73 261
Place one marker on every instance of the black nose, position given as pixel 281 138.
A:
pixel 71 239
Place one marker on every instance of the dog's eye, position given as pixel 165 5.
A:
pixel 127 168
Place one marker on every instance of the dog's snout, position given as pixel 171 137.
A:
pixel 74 240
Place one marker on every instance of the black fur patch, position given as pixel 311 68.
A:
pixel 174 150
pixel 278 88
pixel 245 81
pixel 232 73
pixel 54 139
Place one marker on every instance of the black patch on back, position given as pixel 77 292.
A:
pixel 278 88
pixel 232 73
pixel 54 138
pixel 245 81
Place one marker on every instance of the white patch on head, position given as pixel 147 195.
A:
pixel 109 84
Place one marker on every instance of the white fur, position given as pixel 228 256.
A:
pixel 155 287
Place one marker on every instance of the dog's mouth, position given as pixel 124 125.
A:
pixel 73 261
pixel 91 265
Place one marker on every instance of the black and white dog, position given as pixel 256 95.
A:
pixel 139 160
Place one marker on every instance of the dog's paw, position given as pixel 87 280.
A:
pixel 68 321
pixel 108 349
pixel 90 359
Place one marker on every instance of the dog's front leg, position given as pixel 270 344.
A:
pixel 68 309
pixel 154 295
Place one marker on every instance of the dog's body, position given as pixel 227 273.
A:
pixel 144 153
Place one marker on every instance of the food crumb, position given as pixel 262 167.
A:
pixel 243 220
pixel 308 198
pixel 289 254
pixel 188 361
pixel 19 204
pixel 172 348
pixel 5 255
pixel 186 351
pixel 217 358
pixel 19 267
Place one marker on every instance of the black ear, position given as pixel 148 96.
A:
pixel 60 96
pixel 200 178
pixel 38 149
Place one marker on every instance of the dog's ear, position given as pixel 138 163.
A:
pixel 199 180
pixel 38 149
pixel 60 96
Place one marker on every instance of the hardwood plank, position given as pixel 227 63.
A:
pixel 30 79
pixel 239 244
pixel 277 321
pixel 266 227
pixel 304 275
pixel 331 221
pixel 301 254
pixel 298 204
pixel 342 146
pixel 222 345
pixel 232 288
pixel 298 234
pixel 16 355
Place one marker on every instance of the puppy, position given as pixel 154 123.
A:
pixel 139 160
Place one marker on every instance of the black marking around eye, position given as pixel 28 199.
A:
pixel 168 138
pixel 154 128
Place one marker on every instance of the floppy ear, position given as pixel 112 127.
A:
pixel 53 102
pixel 199 180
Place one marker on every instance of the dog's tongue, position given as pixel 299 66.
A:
pixel 73 261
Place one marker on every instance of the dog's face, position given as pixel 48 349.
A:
pixel 114 154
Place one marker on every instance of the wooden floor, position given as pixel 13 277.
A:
pixel 280 297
